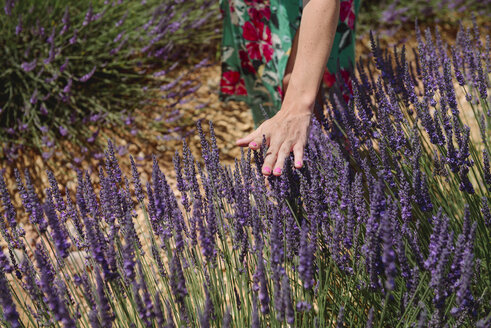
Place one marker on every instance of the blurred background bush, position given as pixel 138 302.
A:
pixel 396 15
pixel 69 67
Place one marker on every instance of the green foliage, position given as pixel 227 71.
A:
pixel 69 67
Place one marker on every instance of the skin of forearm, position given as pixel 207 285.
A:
pixel 309 56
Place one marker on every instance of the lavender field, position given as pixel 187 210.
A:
pixel 387 224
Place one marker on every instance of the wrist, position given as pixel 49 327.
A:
pixel 298 102
pixel 301 90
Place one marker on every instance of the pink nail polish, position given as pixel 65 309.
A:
pixel 253 144
pixel 298 164
pixel 267 170
pixel 277 170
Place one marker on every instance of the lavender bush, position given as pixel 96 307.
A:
pixel 71 67
pixel 387 228
pixel 394 15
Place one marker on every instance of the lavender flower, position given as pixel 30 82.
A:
pixel 10 314
pixel 89 16
pixel 159 314
pixel 14 237
pixel 34 97
pixel 340 319
pixel 136 181
pixel 256 322
pixel 485 211
pixel 148 312
pixel 54 294
pixel 178 282
pixel 208 311
pixel 34 208
pixel 261 280
pixel 30 280
pixel 68 86
pixel 305 259
pixel 74 37
pixel 286 300
pixel 66 22
pixel 440 248
pixel 465 300
pixel 227 319
pixel 487 167
pixel 87 76
pixel 370 319
pixel 388 255
pixel 59 235
pixel 107 317
pixel 9 5
pixel 481 80
pixel 372 247
pixel 29 66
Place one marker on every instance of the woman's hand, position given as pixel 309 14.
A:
pixel 288 130
pixel 285 132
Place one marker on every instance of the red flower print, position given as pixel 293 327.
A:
pixel 346 84
pixel 328 78
pixel 260 43
pixel 256 14
pixel 232 84
pixel 245 62
pixel 346 75
pixel 279 89
pixel 347 13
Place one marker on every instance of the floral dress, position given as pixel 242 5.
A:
pixel 256 43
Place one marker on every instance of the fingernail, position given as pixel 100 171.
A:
pixel 298 164
pixel 277 170
pixel 253 144
pixel 267 170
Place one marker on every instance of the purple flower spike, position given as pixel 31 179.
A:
pixel 136 182
pixel 34 97
pixel 29 66
pixel 208 312
pixel 487 167
pixel 88 16
pixel 388 255
pixel 74 38
pixel 58 233
pixel 260 276
pixel 256 322
pixel 178 283
pixel 64 66
pixel 53 289
pixel 7 304
pixel 87 76
pixel 287 300
pixel 43 109
pixel 18 28
pixel 66 21
pixel 486 213
pixel 159 314
pixel 63 131
pixel 68 86
pixel 103 305
pixel 9 5
pixel 306 259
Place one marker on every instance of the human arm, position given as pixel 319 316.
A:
pixel 288 130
